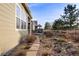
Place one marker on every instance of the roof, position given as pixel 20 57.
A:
pixel 27 9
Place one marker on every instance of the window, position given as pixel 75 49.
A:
pixel 18 23
pixel 18 11
pixel 24 25
pixel 20 18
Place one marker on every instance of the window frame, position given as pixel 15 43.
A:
pixel 20 18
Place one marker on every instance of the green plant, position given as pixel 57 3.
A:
pixel 58 24
pixel 47 25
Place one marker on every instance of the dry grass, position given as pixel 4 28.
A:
pixel 60 43
pixel 74 35
pixel 23 46
pixel 20 50
pixel 46 52
pixel 30 38
pixel 48 33
pixel 45 47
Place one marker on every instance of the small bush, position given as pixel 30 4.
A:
pixel 27 47
pixel 48 33
pixel 48 45
pixel 30 38
pixel 46 53
pixel 20 46
pixel 23 46
pixel 64 35
pixel 75 37
pixel 18 52
pixel 27 39
pixel 67 36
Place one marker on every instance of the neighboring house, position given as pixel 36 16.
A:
pixel 15 22
pixel 34 25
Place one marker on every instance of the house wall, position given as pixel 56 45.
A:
pixel 25 31
pixel 34 24
pixel 9 36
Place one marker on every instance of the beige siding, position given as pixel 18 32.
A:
pixel 9 36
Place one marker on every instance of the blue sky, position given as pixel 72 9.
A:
pixel 46 12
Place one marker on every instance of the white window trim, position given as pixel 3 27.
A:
pixel 20 20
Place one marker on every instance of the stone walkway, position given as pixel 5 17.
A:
pixel 34 48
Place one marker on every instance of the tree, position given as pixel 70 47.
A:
pixel 70 15
pixel 47 25
pixel 58 24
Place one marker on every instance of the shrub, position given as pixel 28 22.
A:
pixel 27 47
pixel 46 53
pixel 19 52
pixel 48 33
pixel 64 34
pixel 75 37
pixel 48 45
pixel 23 46
pixel 22 40
pixel 67 36
pixel 30 38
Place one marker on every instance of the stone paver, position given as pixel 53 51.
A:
pixel 34 49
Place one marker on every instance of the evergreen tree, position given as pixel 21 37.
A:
pixel 70 15
pixel 58 24
pixel 47 25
